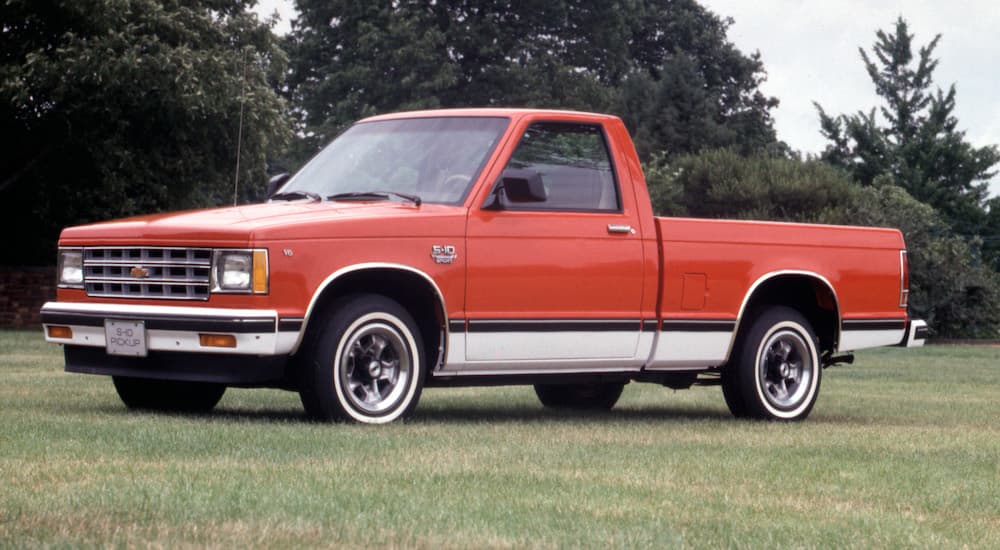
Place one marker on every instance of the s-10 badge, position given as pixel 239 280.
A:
pixel 443 253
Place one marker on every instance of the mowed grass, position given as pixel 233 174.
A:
pixel 902 449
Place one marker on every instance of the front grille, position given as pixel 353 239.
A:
pixel 133 272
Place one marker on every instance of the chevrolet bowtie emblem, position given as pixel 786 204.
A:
pixel 139 272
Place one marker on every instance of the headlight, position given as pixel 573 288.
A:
pixel 240 271
pixel 70 268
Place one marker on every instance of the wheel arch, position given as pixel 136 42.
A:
pixel 395 281
pixel 810 293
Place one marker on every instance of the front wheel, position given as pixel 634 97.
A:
pixel 367 363
pixel 774 373
pixel 168 395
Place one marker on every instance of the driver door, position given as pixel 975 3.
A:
pixel 555 285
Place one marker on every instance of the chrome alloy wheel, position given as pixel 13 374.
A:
pixel 784 369
pixel 374 368
pixel 364 363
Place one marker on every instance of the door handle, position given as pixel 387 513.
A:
pixel 621 228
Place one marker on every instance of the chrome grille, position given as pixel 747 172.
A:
pixel 134 272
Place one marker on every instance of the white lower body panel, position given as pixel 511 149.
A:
pixel 505 353
pixel 858 334
pixel 547 351
pixel 689 350
pixel 853 340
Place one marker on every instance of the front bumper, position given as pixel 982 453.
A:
pixel 915 335
pixel 174 350
pixel 176 328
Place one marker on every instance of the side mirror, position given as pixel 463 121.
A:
pixel 518 186
pixel 276 182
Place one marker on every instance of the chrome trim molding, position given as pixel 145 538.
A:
pixel 362 267
pixel 172 328
pixel 537 368
pixel 59 265
pixel 554 325
pixel 767 277
pixel 218 253
pixel 136 310
pixel 147 272
pixel 904 292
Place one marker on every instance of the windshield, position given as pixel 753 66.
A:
pixel 435 159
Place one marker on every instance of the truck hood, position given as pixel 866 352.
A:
pixel 237 226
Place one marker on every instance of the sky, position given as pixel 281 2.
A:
pixel 810 51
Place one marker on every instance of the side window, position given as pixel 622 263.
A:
pixel 574 165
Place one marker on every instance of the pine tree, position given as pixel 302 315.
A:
pixel 916 141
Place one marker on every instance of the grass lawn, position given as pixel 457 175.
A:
pixel 902 449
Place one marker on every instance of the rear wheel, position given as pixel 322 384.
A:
pixel 580 396
pixel 775 372
pixel 168 395
pixel 366 365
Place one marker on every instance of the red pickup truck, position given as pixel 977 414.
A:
pixel 471 247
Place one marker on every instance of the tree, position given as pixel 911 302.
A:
pixel 688 88
pixel 918 145
pixel 991 234
pixel 120 107
pixel 666 65
pixel 956 294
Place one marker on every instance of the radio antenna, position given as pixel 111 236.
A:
pixel 239 135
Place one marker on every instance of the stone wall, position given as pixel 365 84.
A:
pixel 23 290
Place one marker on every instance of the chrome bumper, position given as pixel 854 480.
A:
pixel 176 328
pixel 915 335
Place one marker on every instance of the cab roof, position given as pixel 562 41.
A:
pixel 512 113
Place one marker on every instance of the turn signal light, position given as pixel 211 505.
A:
pixel 60 332
pixel 260 281
pixel 217 340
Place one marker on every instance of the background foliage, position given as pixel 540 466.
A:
pixel 665 65
pixel 916 142
pixel 121 107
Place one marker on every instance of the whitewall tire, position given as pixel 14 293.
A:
pixel 775 370
pixel 366 364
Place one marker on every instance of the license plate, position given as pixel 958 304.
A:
pixel 126 337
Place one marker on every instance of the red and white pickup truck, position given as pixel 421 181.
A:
pixel 471 247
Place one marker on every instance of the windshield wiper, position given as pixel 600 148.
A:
pixel 292 195
pixel 368 195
